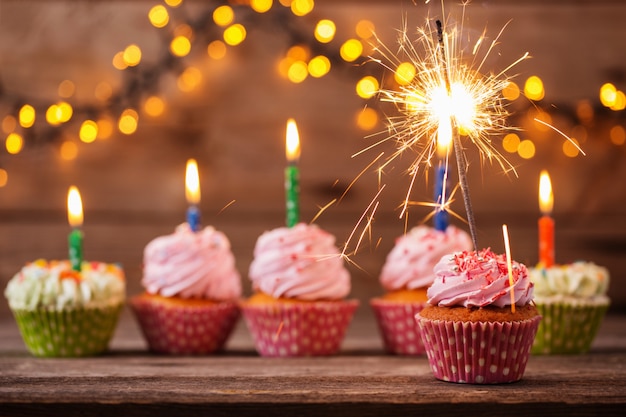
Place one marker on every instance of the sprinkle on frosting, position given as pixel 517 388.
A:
pixel 299 262
pixel 478 279
pixel 191 264
pixel 410 263
pixel 53 284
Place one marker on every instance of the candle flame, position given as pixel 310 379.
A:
pixel 509 265
pixel 292 143
pixel 546 198
pixel 444 137
pixel 192 182
pixel 74 207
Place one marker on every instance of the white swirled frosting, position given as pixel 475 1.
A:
pixel 299 262
pixel 53 284
pixel 582 280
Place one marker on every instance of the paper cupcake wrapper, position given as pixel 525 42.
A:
pixel 299 329
pixel 185 330
pixel 397 326
pixel 478 353
pixel 566 328
pixel 72 332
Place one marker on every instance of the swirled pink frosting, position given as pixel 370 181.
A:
pixel 410 263
pixel 299 262
pixel 191 264
pixel 478 279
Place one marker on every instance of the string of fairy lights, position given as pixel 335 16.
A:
pixel 314 49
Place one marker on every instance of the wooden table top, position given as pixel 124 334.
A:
pixel 360 381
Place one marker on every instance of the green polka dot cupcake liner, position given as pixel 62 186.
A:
pixel 567 328
pixel 478 352
pixel 69 332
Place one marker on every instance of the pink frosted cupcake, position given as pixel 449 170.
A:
pixel 471 332
pixel 192 289
pixel 406 274
pixel 301 283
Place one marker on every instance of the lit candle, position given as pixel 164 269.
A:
pixel 444 137
pixel 192 193
pixel 75 218
pixel 292 186
pixel 546 223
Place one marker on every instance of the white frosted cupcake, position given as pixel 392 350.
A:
pixel 572 300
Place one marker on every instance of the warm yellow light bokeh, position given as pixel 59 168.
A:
pixel 27 116
pixel 189 79
pixel 118 61
pixel 235 34
pixel 14 143
pixel 325 31
pixel 298 53
pixel 4 177
pixel 511 142
pixel 173 3
pixel 127 123
pixel 608 94
pixel 533 88
pixel 180 46
pixel 319 66
pixel 302 7
pixel 367 87
pixel 261 6
pixel 103 91
pixel 88 131
pixel 68 150
pixel 154 106
pixel 620 101
pixel 405 73
pixel 351 50
pixel 158 16
pixel 511 92
pixel 367 119
pixel 545 117
pixel 132 55
pixel 298 72
pixel 66 89
pixel 365 29
pixel 526 149
pixel 618 135
pixel 223 15
pixel 216 49
pixel 571 149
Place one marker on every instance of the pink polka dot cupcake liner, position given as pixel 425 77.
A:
pixel 181 330
pixel 299 329
pixel 478 353
pixel 397 326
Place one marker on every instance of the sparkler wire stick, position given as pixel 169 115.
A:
pixel 458 150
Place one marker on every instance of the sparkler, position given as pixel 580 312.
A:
pixel 447 95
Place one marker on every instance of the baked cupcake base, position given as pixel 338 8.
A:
pixel 285 328
pixel 478 352
pixel 395 314
pixel 69 332
pixel 179 326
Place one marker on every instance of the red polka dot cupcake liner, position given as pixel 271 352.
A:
pixel 299 329
pixel 185 330
pixel 478 353
pixel 397 326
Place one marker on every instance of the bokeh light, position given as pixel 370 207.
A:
pixel 325 31
pixel 132 55
pixel 4 177
pixel 367 119
pixel 27 116
pixel 526 149
pixel 319 66
pixel 261 6
pixel 365 29
pixel 571 149
pixel 608 94
pixel 617 135
pixel 367 87
pixel 189 79
pixel 154 106
pixel 9 123
pixel 235 34
pixel 14 143
pixel 298 72
pixel 158 16
pixel 351 50
pixel 68 150
pixel 105 128
pixel 405 73
pixel 216 49
pixel 511 92
pixel 66 89
pixel 511 142
pixel 223 15
pixel 180 46
pixel 88 131
pixel 533 88
pixel 127 123
pixel 302 7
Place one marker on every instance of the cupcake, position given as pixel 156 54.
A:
pixel 65 313
pixel 189 306
pixel 471 332
pixel 406 274
pixel 572 300
pixel 299 307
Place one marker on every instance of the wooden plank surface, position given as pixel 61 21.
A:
pixel 361 381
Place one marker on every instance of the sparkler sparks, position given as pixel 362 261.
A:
pixel 447 95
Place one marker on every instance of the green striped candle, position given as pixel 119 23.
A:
pixel 292 174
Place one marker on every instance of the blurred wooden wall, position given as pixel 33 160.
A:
pixel 133 186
